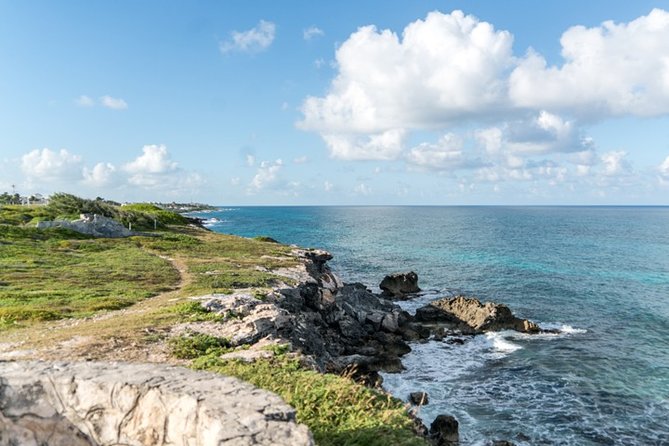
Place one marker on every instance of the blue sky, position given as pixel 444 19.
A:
pixel 303 102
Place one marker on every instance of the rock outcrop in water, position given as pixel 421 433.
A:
pixel 399 285
pixel 469 314
pixel 109 404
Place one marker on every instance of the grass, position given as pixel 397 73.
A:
pixel 337 410
pixel 47 275
pixel 220 263
pixel 194 345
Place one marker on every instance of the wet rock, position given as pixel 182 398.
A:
pixel 399 285
pixel 502 443
pixel 444 431
pixel 418 398
pixel 469 312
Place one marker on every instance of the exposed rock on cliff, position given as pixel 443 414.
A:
pixel 470 314
pixel 106 404
pixel 338 326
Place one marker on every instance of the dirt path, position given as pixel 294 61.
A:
pixel 135 333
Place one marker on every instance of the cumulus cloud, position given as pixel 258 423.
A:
pixel 301 159
pixel 150 169
pixel 51 166
pixel 312 32
pixel 266 175
pixel 615 163
pixel 381 146
pixel 611 69
pixel 454 70
pixel 443 68
pixel 113 103
pixel 84 101
pixel 253 40
pixel 446 154
pixel 154 159
pixel 664 168
pixel 100 175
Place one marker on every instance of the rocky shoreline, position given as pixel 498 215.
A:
pixel 346 328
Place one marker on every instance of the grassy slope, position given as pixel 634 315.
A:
pixel 57 274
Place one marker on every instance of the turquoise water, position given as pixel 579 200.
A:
pixel 599 274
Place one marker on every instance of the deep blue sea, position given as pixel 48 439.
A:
pixel 599 274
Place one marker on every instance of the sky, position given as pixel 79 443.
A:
pixel 337 103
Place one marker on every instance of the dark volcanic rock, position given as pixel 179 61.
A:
pixel 398 285
pixel 444 431
pixel 418 398
pixel 468 312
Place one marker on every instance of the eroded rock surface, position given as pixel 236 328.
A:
pixel 105 404
pixel 400 285
pixel 91 224
pixel 338 326
pixel 470 313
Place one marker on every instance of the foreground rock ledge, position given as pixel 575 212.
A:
pixel 105 404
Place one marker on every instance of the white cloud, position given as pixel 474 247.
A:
pixel 612 69
pixel 382 146
pixel 327 186
pixel 154 160
pixel 100 175
pixel 51 166
pixel 301 159
pixel 266 175
pixel 445 67
pixel 446 154
pixel 452 70
pixel 615 163
pixel 84 101
pixel 253 40
pixel 362 189
pixel 250 160
pixel 113 103
pixel 312 32
pixel 319 63
pixel 664 168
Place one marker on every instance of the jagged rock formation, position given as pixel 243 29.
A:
pixel 105 404
pixel 338 326
pixel 399 285
pixel 95 225
pixel 470 314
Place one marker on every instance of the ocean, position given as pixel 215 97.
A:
pixel 600 275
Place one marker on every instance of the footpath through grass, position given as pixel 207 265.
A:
pixel 59 274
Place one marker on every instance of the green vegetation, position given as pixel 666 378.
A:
pixel 194 345
pixel 194 312
pixel 46 275
pixel 220 263
pixel 337 410
pixel 54 274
